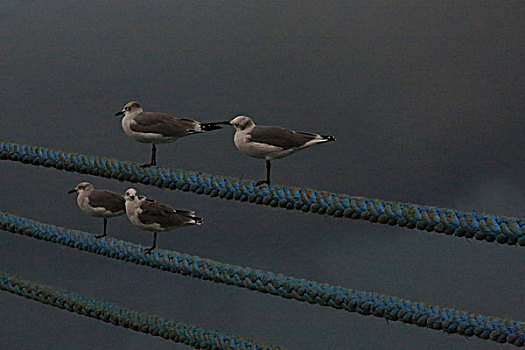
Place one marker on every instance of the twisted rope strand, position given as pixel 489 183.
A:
pixel 365 303
pixel 491 228
pixel 119 316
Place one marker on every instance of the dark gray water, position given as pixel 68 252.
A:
pixel 426 101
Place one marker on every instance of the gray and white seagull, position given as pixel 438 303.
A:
pixel 156 217
pixel 271 142
pixel 156 127
pixel 99 203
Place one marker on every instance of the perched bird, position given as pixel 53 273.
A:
pixel 271 142
pixel 99 203
pixel 154 127
pixel 153 216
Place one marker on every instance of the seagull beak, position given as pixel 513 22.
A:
pixel 119 113
pixel 71 191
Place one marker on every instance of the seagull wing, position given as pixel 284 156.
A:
pixel 164 215
pixel 280 137
pixel 110 200
pixel 164 124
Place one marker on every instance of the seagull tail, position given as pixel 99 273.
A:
pixel 197 220
pixel 328 137
pixel 211 126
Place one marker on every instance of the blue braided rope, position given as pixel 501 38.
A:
pixel 491 228
pixel 365 303
pixel 119 316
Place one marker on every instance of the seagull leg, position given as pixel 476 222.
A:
pixel 153 154
pixel 105 226
pixel 147 251
pixel 268 168
pixel 153 157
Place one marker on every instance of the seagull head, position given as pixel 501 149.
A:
pixel 131 195
pixel 242 122
pixel 129 108
pixel 82 187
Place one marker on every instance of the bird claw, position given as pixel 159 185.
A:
pixel 262 182
pixel 100 236
pixel 148 250
pixel 147 165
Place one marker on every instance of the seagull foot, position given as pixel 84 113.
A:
pixel 262 182
pixel 100 236
pixel 147 165
pixel 148 251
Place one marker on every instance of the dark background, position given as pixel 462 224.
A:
pixel 426 100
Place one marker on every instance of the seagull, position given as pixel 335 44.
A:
pixel 153 216
pixel 271 142
pixel 99 203
pixel 155 127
